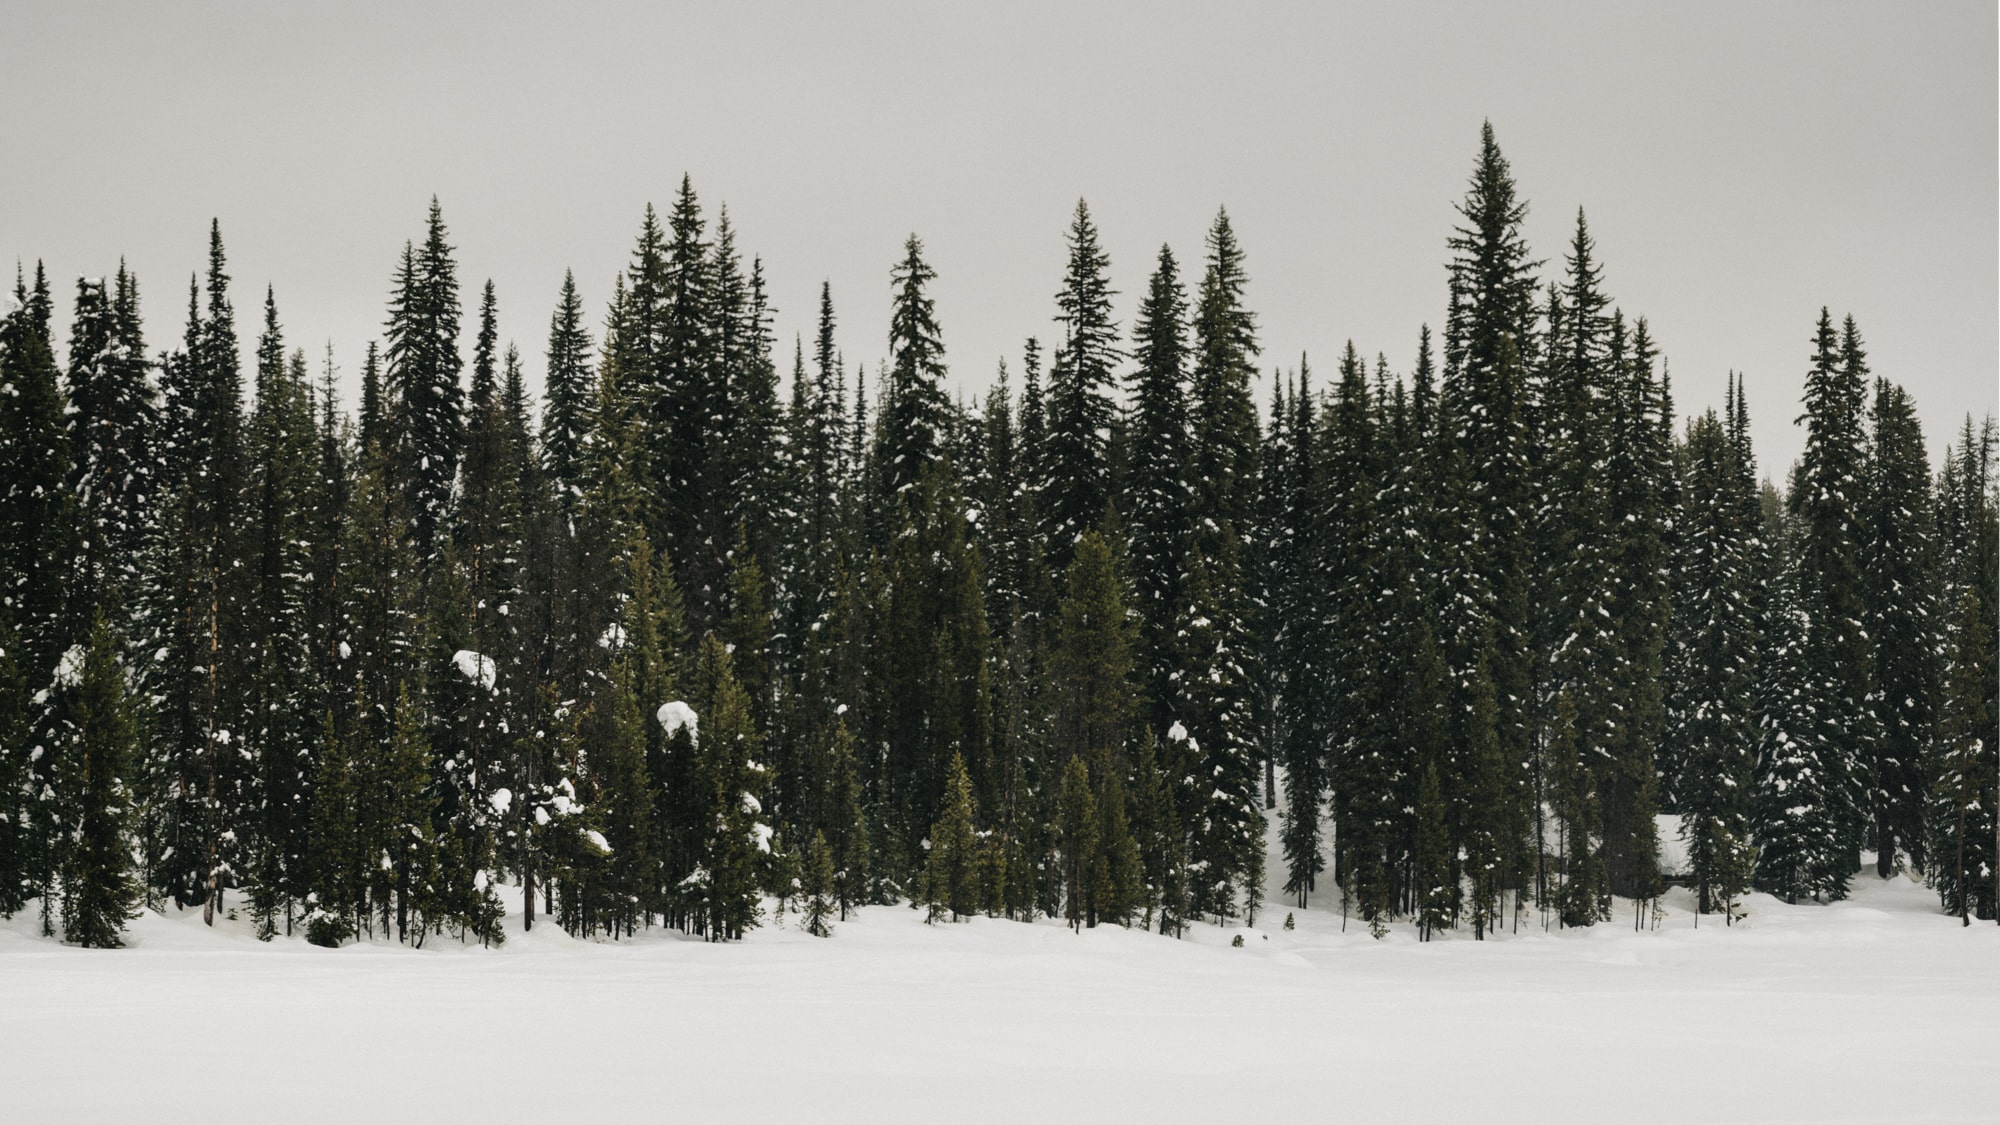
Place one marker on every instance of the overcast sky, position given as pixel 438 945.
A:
pixel 1741 164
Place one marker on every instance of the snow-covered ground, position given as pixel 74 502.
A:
pixel 1876 1009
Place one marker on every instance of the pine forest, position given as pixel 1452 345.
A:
pixel 719 630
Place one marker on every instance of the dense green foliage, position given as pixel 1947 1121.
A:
pixel 687 641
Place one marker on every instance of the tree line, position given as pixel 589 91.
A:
pixel 692 636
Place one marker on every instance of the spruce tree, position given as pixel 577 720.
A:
pixel 1899 590
pixel 1074 484
pixel 568 393
pixel 112 434
pixel 1835 726
pixel 1090 669
pixel 282 454
pixel 427 424
pixel 1158 494
pixel 816 886
pixel 99 888
pixel 1712 667
pixel 1485 437
pixel 1076 828
pixel 951 881
pixel 1963 774
pixel 1215 666
pixel 913 417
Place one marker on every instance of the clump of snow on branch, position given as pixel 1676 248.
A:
pixel 676 715
pixel 478 668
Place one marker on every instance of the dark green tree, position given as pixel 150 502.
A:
pixel 100 890
pixel 1899 590
pixel 1074 483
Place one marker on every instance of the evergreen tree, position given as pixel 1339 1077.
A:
pixel 1090 669
pixel 1214 691
pixel 99 888
pixel 1076 827
pixel 1712 668
pixel 428 426
pixel 202 784
pixel 1158 494
pixel 1836 655
pixel 913 416
pixel 1486 474
pixel 568 393
pixel 282 440
pixel 1899 591
pixel 1075 482
pixel 334 845
pixel 951 879
pixel 1435 893
pixel 816 886
pixel 849 821
pixel 35 504
pixel 1963 775
pixel 112 434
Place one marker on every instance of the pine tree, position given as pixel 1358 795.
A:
pixel 1712 669
pixel 816 886
pixel 951 880
pixel 1836 654
pixel 1215 664
pixel 99 888
pixel 427 426
pixel 1074 485
pixel 1090 669
pixel 198 828
pixel 849 821
pixel 1158 494
pixel 405 836
pixel 1485 487
pixel 1963 775
pixel 1213 701
pixel 1435 891
pixel 1899 590
pixel 729 785
pixel 1076 828
pixel 281 443
pixel 568 393
pixel 913 417
pixel 334 845
pixel 622 794
pixel 112 435
pixel 1641 471
pixel 36 507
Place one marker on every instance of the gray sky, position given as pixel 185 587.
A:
pixel 1741 164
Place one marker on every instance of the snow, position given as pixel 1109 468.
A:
pixel 673 716
pixel 501 801
pixel 69 669
pixel 1876 1009
pixel 476 667
pixel 1673 849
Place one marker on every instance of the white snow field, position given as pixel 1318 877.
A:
pixel 1876 1009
